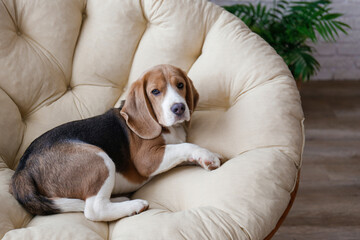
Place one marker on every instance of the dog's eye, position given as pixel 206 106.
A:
pixel 180 85
pixel 155 92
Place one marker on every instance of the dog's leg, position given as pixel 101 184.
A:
pixel 100 207
pixel 176 154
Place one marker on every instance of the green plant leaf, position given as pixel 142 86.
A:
pixel 334 30
pixel 287 27
pixel 323 31
pixel 330 31
pixel 332 16
pixel 340 26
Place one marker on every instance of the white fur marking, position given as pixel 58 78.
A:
pixel 69 204
pixel 176 154
pixel 172 97
pixel 177 135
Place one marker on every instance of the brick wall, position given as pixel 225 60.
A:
pixel 340 60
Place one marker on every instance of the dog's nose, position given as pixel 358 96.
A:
pixel 178 108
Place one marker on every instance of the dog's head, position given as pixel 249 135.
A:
pixel 164 96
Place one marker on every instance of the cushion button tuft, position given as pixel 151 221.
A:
pixel 18 33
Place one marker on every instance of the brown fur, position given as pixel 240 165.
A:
pixel 78 173
pixel 146 154
pixel 24 190
pixel 132 175
pixel 138 113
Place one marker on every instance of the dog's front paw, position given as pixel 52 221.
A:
pixel 206 159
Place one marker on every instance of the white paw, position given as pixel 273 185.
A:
pixel 206 159
pixel 138 206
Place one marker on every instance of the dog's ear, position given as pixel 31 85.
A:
pixel 192 96
pixel 138 112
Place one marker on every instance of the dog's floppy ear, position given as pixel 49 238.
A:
pixel 138 112
pixel 192 96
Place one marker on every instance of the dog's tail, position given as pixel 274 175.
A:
pixel 23 188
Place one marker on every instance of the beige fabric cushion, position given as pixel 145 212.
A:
pixel 63 60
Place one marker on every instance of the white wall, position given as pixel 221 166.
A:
pixel 340 60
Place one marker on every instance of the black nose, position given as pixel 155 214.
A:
pixel 178 108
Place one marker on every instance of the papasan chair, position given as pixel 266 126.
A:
pixel 63 60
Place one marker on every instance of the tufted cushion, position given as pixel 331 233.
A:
pixel 63 60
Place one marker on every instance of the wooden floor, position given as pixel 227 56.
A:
pixel 328 201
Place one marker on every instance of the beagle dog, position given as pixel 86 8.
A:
pixel 77 166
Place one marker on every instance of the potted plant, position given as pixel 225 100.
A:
pixel 290 27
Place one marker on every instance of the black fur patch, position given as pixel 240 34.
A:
pixel 107 131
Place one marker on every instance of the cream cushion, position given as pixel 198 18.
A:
pixel 62 60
